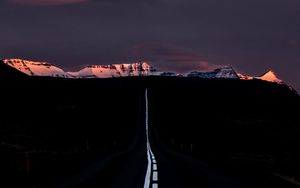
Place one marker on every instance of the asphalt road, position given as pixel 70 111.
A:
pixel 149 163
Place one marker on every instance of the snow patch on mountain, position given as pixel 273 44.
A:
pixel 245 77
pixel 32 68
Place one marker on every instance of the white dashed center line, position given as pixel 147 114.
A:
pixel 154 177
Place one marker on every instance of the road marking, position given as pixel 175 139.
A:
pixel 155 176
pixel 150 155
pixel 148 173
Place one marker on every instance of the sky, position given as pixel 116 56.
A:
pixel 253 36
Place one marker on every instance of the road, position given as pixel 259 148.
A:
pixel 151 178
pixel 150 164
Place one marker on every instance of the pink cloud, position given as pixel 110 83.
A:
pixel 169 57
pixel 45 2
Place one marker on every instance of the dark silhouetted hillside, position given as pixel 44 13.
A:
pixel 49 123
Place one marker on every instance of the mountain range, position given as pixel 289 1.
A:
pixel 31 68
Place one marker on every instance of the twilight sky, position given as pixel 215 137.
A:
pixel 251 35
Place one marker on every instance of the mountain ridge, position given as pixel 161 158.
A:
pixel 44 69
pixel 32 68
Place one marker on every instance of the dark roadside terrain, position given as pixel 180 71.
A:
pixel 91 132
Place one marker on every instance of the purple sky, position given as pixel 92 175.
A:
pixel 251 35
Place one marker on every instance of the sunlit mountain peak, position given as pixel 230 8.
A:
pixel 270 76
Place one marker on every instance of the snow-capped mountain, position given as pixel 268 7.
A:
pixel 114 70
pixel 270 76
pixel 32 68
pixel 224 72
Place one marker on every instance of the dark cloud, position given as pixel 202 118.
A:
pixel 253 36
pixel 45 2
